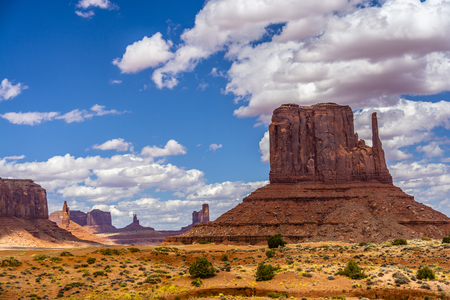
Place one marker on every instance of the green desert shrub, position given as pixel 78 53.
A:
pixel 425 273
pixel 65 253
pixel 204 242
pixel 134 249
pixel 91 260
pixel 428 239
pixel 353 271
pixel 275 295
pixel 202 268
pixel 40 257
pixel 275 241
pixel 264 272
pixel 55 259
pixel 446 240
pixel 270 253
pixel 11 262
pixel 399 242
pixel 197 282
pixel 224 257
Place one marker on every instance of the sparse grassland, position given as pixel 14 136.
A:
pixel 301 271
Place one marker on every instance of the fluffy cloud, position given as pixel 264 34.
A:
pixel 89 4
pixel 86 14
pixel 146 53
pixel 264 148
pixel 76 115
pixel 115 144
pixel 214 147
pixel 171 148
pixel 9 90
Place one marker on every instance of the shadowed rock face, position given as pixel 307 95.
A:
pixel 318 144
pixel 22 199
pixel 201 216
pixel 98 217
pixel 65 219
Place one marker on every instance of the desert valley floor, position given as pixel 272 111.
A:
pixel 307 271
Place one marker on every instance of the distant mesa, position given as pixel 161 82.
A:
pixel 24 217
pixel 325 185
pixel 134 226
pixel 202 216
pixel 95 221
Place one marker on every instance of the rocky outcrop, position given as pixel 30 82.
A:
pixel 23 199
pixel 134 226
pixel 318 144
pixel 76 216
pixel 325 185
pixel 65 218
pixel 98 221
pixel 201 216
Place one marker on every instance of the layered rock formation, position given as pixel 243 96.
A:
pixel 318 144
pixel 134 226
pixel 98 221
pixel 22 198
pixel 24 217
pixel 325 185
pixel 201 216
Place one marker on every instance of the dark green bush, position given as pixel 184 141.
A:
pixel 425 273
pixel 65 253
pixel 264 272
pixel 428 239
pixel 274 295
pixel 204 242
pixel 275 241
pixel 99 273
pixel 353 271
pixel 399 242
pixel 224 257
pixel 55 259
pixel 197 282
pixel 446 240
pixel 40 257
pixel 134 249
pixel 202 268
pixel 11 262
pixel 91 260
pixel 270 253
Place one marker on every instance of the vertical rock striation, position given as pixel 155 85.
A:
pixel 202 216
pixel 65 219
pixel 318 144
pixel 22 198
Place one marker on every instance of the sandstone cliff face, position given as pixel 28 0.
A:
pixel 65 218
pixel 201 216
pixel 318 144
pixel 22 199
pixel 98 217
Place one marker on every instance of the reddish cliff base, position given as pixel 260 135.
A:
pixel 314 211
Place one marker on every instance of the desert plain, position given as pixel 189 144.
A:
pixel 306 271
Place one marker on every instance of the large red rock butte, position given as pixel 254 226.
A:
pixel 325 185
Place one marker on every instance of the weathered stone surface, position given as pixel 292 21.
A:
pixel 98 217
pixel 325 186
pixel 65 218
pixel 318 143
pixel 201 216
pixel 76 216
pixel 22 199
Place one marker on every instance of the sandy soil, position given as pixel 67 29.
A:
pixel 125 272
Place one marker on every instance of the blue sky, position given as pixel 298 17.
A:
pixel 154 107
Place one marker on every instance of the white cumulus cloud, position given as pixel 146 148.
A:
pixel 214 147
pixel 9 90
pixel 115 144
pixel 143 54
pixel 171 148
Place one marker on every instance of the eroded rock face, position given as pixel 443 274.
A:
pixel 23 199
pixel 201 216
pixel 65 218
pixel 318 144
pixel 98 217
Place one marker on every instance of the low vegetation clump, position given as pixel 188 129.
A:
pixel 270 253
pixel 353 271
pixel 134 249
pixel 276 241
pixel 55 259
pixel 224 257
pixel 204 242
pixel 11 262
pixel 202 268
pixel 399 242
pixel 275 295
pixel 40 257
pixel 446 240
pixel 197 282
pixel 99 273
pixel 107 251
pixel 91 260
pixel 425 273
pixel 264 272
pixel 65 253
pixel 428 239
